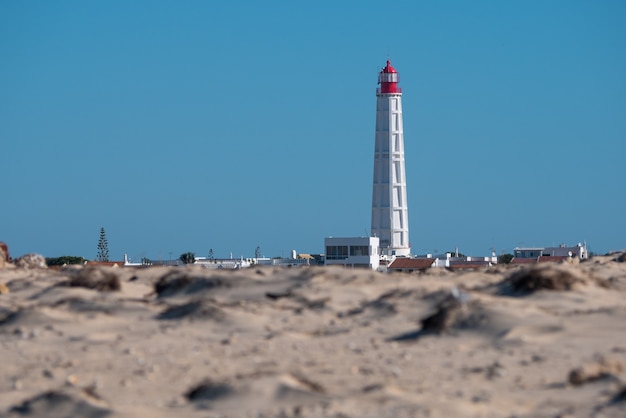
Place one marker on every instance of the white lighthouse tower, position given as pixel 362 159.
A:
pixel 390 217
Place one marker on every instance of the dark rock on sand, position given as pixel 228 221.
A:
pixel 620 396
pixel 454 311
pixel 176 282
pixel 58 404
pixel 621 258
pixel 208 390
pixel 96 278
pixel 541 277
pixel 193 310
pixel 26 317
pixel 602 367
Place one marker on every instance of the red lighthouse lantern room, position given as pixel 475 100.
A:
pixel 388 80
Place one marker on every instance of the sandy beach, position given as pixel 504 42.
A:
pixel 533 341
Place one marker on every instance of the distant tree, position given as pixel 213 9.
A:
pixel 187 258
pixel 63 260
pixel 505 258
pixel 454 252
pixel 145 261
pixel 257 252
pixel 211 257
pixel 103 247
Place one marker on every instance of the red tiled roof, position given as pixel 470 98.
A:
pixel 412 263
pixel 469 264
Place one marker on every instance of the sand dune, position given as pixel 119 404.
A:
pixel 544 341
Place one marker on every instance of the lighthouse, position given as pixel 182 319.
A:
pixel 390 214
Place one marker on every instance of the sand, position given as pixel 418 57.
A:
pixel 539 341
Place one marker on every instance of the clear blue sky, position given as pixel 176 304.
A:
pixel 184 126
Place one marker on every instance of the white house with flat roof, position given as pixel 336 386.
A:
pixel 352 252
pixel 579 250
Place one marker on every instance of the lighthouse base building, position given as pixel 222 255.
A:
pixel 352 252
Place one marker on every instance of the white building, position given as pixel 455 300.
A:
pixel 390 218
pixel 223 263
pixel 352 252
pixel 579 250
